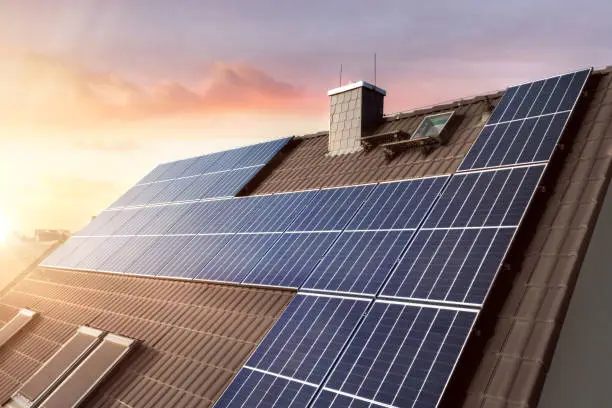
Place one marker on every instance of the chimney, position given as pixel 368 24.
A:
pixel 353 108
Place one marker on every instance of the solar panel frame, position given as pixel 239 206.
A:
pixel 388 198
pixel 308 337
pixel 254 388
pixel 291 259
pixel 547 104
pixel 358 262
pixel 366 335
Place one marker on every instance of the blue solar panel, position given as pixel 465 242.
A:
pixel 97 223
pixel 173 190
pixel 128 196
pixel 276 212
pixel 308 337
pixel 489 198
pixel 156 173
pixel 359 262
pixel 162 251
pixel 234 261
pixel 255 389
pixel 142 217
pixel 291 259
pixel 148 193
pixel 234 215
pixel 194 257
pixel 202 164
pixel 331 209
pixel 166 219
pixel 230 183
pixel 527 123
pixel 329 399
pixel 131 250
pixel 99 254
pixel 402 355
pixel 398 205
pixel 80 251
pixel 198 216
pixel 57 257
pixel 450 265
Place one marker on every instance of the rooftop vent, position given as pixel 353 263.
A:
pixel 353 108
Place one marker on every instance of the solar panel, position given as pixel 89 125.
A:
pixel 120 218
pixel 166 219
pixel 98 222
pixel 235 213
pixel 80 252
pixel 398 205
pixel 487 198
pixel 132 249
pixel 197 216
pixel 162 251
pixel 237 257
pixel 331 209
pixel 98 255
pixel 142 217
pixel 450 265
pixel 308 337
pixel 202 164
pixel 256 389
pixel 173 190
pixel 401 356
pixel 527 123
pixel 291 259
pixel 276 212
pixel 230 183
pixel 63 252
pixel 193 258
pixel 359 262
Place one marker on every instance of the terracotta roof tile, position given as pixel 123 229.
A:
pixel 195 335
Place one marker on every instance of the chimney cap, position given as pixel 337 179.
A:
pixel 354 85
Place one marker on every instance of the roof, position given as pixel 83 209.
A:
pixel 197 335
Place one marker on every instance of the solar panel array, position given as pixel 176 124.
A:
pixel 402 350
pixel 390 277
pixel 221 174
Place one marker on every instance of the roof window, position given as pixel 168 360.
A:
pixel 15 325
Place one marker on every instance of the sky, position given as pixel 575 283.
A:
pixel 95 93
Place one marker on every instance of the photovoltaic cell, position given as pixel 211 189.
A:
pixel 399 205
pixel 308 337
pixel 166 219
pixel 173 190
pixel 197 216
pixel 450 265
pixel 148 193
pixel 121 217
pixel 237 257
pixel 131 250
pixel 234 214
pixel 98 222
pixel 57 257
pixel 359 262
pixel 489 198
pixel 255 389
pixel 402 355
pixel 194 257
pixel 291 259
pixel 80 252
pixel 331 209
pixel 142 217
pixel 276 212
pixel 527 123
pixel 329 399
pixel 202 164
pixel 96 257
pixel 162 251
pixel 230 183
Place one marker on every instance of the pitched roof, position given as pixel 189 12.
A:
pixel 197 335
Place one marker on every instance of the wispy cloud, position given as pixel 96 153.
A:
pixel 38 89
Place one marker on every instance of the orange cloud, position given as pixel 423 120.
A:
pixel 37 89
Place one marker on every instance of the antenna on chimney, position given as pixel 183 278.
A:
pixel 374 69
pixel 340 75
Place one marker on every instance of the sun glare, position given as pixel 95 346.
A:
pixel 5 228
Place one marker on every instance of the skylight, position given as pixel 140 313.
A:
pixel 432 125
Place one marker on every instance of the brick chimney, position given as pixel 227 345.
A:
pixel 353 108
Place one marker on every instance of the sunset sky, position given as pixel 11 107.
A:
pixel 94 93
